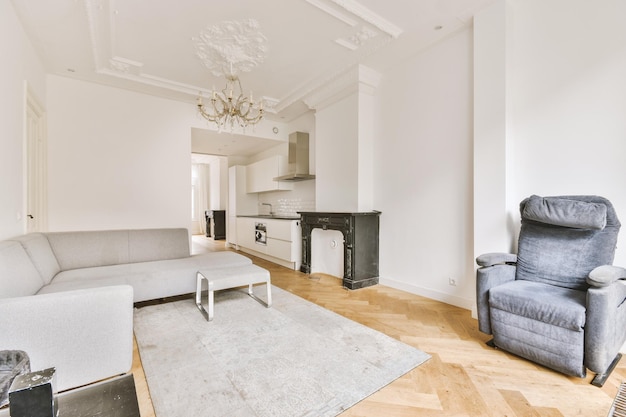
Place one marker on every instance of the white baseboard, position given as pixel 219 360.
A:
pixel 428 293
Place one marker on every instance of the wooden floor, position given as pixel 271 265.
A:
pixel 464 377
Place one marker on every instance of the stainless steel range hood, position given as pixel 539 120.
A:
pixel 298 168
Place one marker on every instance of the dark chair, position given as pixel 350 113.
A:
pixel 559 302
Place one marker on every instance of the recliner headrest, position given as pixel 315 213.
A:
pixel 565 212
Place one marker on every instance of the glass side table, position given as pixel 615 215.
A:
pixel 114 397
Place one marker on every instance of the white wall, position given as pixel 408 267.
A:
pixel 423 173
pixel 336 153
pixel 219 184
pixel 550 101
pixel 491 124
pixel 117 159
pixel 20 65
pixel 568 92
pixel 565 95
pixel 365 160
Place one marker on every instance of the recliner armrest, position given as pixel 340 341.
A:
pixel 605 275
pixel 495 258
pixel 488 277
pixel 606 319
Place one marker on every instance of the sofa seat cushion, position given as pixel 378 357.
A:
pixel 150 280
pixel 18 275
pixel 557 306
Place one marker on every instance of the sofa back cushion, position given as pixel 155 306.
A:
pixel 18 275
pixel 88 249
pixel 84 249
pixel 38 249
pixel 158 244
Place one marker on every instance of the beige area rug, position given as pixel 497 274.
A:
pixel 293 359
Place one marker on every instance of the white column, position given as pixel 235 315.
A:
pixel 490 130
pixel 344 126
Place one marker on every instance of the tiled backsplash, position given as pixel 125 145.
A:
pixel 289 203
pixel 291 206
pixel 286 206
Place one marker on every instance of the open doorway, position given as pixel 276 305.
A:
pixel 209 188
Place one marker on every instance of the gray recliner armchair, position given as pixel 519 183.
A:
pixel 559 302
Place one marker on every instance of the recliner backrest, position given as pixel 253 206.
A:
pixel 563 238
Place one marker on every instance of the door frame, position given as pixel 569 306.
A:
pixel 35 163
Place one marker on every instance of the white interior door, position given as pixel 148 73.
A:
pixel 36 166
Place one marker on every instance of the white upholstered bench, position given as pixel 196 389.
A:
pixel 226 278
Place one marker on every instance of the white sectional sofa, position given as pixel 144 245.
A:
pixel 66 298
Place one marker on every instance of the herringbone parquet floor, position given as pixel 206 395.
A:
pixel 464 377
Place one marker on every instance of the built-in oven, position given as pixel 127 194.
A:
pixel 260 233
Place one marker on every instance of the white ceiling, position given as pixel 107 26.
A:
pixel 147 46
pixel 225 144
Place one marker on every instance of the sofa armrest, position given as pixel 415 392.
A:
pixel 605 275
pixel 87 335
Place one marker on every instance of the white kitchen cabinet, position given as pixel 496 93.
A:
pixel 280 238
pixel 260 175
pixel 245 233
pixel 283 239
pixel 239 201
pixel 231 231
pixel 280 249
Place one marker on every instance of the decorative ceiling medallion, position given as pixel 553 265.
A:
pixel 231 47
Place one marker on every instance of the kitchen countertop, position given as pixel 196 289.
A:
pixel 270 216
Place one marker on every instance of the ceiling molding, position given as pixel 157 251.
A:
pixel 309 89
pixel 370 17
pixel 125 65
pixel 102 31
pixel 150 50
pixel 358 39
pixel 98 21
pixel 356 12
pixel 332 11
pixel 153 81
pixel 370 32
pixel 358 78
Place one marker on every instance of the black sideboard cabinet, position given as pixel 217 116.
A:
pixel 360 250
pixel 215 224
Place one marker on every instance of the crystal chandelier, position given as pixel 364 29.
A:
pixel 230 108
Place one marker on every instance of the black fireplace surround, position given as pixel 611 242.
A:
pixel 360 250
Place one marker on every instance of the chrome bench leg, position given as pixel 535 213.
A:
pixel 267 304
pixel 207 315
